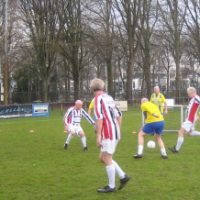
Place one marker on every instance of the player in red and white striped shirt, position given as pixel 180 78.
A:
pixel 108 121
pixel 72 120
pixel 188 124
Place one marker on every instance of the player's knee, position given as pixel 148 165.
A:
pixel 82 134
pixel 141 134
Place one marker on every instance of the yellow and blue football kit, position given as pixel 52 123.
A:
pixel 154 121
pixel 158 100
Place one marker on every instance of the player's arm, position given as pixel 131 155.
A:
pixel 66 119
pixel 146 108
pixel 87 117
pixel 165 104
pixel 99 124
pixel 118 116
pixel 99 119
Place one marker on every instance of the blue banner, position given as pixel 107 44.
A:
pixel 40 110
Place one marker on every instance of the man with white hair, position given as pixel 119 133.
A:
pixel 108 122
pixel 159 100
pixel 72 120
pixel 188 124
pixel 154 125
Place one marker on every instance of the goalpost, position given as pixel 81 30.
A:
pixel 174 118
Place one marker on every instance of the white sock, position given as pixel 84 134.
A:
pixel 69 137
pixel 163 151
pixel 118 170
pixel 83 140
pixel 110 169
pixel 195 133
pixel 140 149
pixel 179 143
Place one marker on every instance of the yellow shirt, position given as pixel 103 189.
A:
pixel 91 106
pixel 158 100
pixel 148 110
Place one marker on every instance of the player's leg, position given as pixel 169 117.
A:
pixel 121 174
pixel 162 146
pixel 81 133
pixel 140 149
pixel 158 129
pixel 69 136
pixel 194 132
pixel 106 159
pixel 180 141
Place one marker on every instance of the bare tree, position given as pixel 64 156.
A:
pixel 147 22
pixel 129 12
pixel 192 21
pixel 41 19
pixel 102 33
pixel 173 15
pixel 71 38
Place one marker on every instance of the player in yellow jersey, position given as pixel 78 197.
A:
pixel 91 107
pixel 158 99
pixel 154 124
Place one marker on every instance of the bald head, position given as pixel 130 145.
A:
pixel 157 89
pixel 97 85
pixel 78 104
pixel 143 100
pixel 191 91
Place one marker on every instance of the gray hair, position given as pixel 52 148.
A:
pixel 191 89
pixel 97 84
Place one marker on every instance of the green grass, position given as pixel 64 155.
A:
pixel 34 166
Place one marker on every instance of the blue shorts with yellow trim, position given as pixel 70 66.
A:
pixel 154 127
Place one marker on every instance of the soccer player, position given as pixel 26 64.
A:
pixel 158 99
pixel 72 120
pixel 91 107
pixel 188 124
pixel 108 122
pixel 154 124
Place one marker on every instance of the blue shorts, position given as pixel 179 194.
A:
pixel 154 128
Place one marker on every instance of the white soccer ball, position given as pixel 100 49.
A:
pixel 151 144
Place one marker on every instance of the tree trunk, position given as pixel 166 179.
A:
pixel 6 81
pixel 168 81
pixel 76 87
pixel 178 78
pixel 45 90
pixel 147 75
pixel 129 95
pixel 110 77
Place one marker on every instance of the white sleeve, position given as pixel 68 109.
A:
pixel 87 117
pixel 67 116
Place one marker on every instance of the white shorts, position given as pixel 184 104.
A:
pixel 188 126
pixel 109 146
pixel 75 129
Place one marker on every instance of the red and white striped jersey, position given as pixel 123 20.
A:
pixel 105 109
pixel 74 116
pixel 192 108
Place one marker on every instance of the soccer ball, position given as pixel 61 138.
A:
pixel 151 144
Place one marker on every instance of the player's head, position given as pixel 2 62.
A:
pixel 191 91
pixel 78 104
pixel 156 89
pixel 97 85
pixel 143 100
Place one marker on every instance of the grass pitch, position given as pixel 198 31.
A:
pixel 34 165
